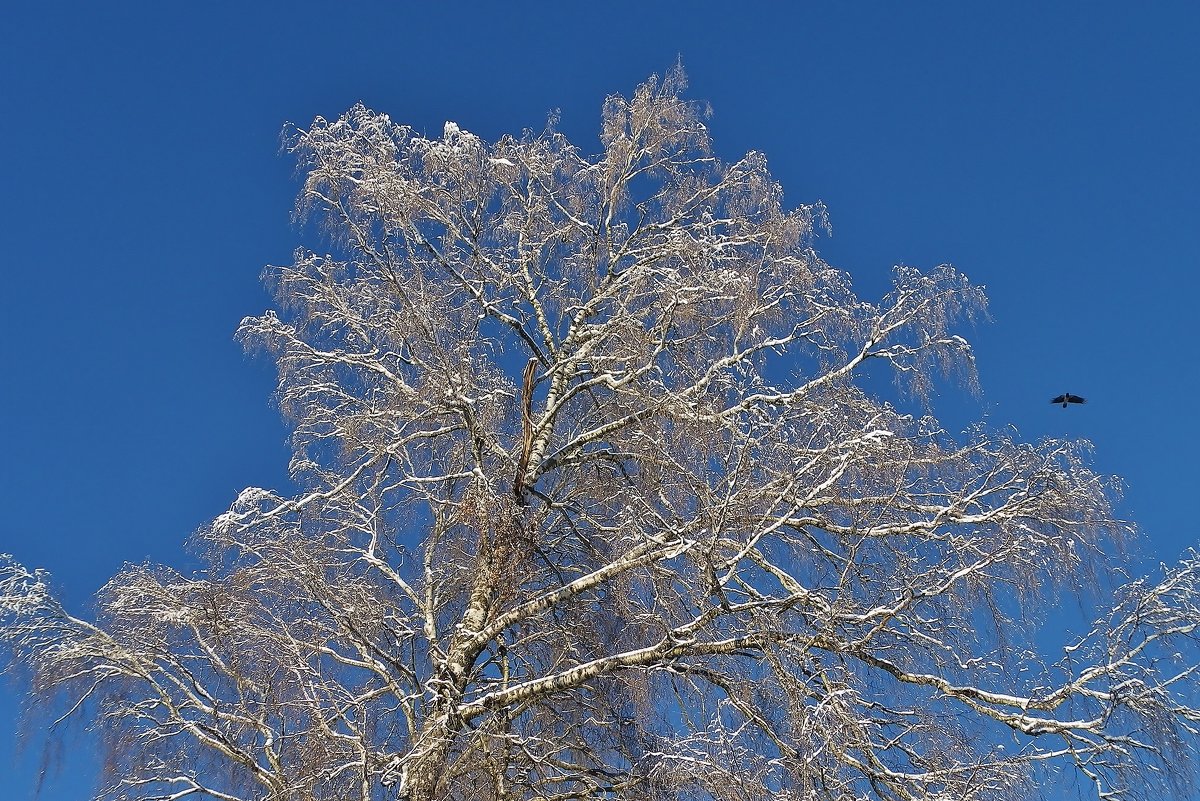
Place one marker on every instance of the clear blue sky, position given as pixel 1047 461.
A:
pixel 1050 153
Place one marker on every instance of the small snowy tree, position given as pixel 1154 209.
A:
pixel 595 506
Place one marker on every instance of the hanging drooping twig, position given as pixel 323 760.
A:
pixel 527 382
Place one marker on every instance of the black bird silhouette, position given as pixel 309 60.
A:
pixel 1066 398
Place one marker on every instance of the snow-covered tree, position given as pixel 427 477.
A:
pixel 595 506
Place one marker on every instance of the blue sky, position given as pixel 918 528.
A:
pixel 1048 152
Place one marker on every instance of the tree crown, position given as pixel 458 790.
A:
pixel 593 505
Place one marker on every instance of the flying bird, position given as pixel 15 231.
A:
pixel 1066 398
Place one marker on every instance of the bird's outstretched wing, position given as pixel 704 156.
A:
pixel 1059 399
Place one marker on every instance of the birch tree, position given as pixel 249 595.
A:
pixel 594 505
